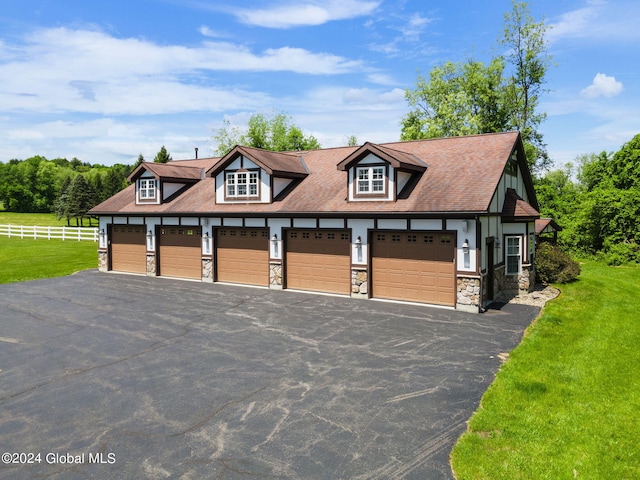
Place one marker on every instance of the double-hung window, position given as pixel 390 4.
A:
pixel 242 184
pixel 370 180
pixel 513 255
pixel 147 189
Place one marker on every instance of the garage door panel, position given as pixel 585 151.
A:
pixel 243 256
pixel 180 252
pixel 319 260
pixel 128 248
pixel 413 267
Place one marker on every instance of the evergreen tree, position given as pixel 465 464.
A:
pixel 162 156
pixel 61 202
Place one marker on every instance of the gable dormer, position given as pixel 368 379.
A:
pixel 379 173
pixel 158 183
pixel 252 175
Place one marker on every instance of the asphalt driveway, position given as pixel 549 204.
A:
pixel 118 376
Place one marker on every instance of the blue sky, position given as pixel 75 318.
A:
pixel 105 81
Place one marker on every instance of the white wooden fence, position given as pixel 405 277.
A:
pixel 64 233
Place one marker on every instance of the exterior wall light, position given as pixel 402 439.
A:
pixel 465 251
pixel 103 238
pixel 359 249
pixel 274 241
pixel 207 240
pixel 150 240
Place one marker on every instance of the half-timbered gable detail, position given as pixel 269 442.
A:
pixel 379 173
pixel 249 175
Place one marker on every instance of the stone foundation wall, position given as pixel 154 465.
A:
pixel 275 275
pixel 151 264
pixel 468 294
pixel 207 270
pixel 103 260
pixel 519 284
pixel 359 283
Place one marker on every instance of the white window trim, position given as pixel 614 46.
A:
pixel 507 255
pixel 369 180
pixel 232 179
pixel 145 186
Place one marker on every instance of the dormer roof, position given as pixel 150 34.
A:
pixel 515 208
pixel 167 172
pixel 277 164
pixel 397 159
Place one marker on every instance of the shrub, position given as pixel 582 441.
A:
pixel 555 266
pixel 621 253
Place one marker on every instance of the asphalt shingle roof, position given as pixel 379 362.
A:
pixel 462 176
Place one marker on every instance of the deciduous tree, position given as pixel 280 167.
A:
pixel 473 97
pixel 276 133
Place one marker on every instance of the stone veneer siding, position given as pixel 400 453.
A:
pixel 514 284
pixel 207 270
pixel 151 264
pixel 275 275
pixel 103 264
pixel 468 294
pixel 359 283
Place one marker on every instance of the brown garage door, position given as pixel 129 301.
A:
pixel 417 267
pixel 243 255
pixel 319 260
pixel 180 252
pixel 129 248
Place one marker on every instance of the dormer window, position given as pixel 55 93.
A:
pixel 148 189
pixel 242 184
pixel 371 180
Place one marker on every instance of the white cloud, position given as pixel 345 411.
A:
pixel 305 14
pixel 60 69
pixel 573 24
pixel 600 21
pixel 382 79
pixel 602 86
pixel 408 41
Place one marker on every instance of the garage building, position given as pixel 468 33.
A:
pixel 447 222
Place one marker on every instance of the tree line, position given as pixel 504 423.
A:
pixel 596 201
pixel 69 188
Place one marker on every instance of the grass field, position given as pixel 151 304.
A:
pixel 28 259
pixel 566 404
pixel 44 219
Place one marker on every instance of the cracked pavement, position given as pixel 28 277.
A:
pixel 179 379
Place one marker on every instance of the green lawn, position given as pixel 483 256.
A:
pixel 28 259
pixel 566 405
pixel 44 219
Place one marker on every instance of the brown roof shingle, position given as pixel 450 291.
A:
pixel 462 176
pixel 515 207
